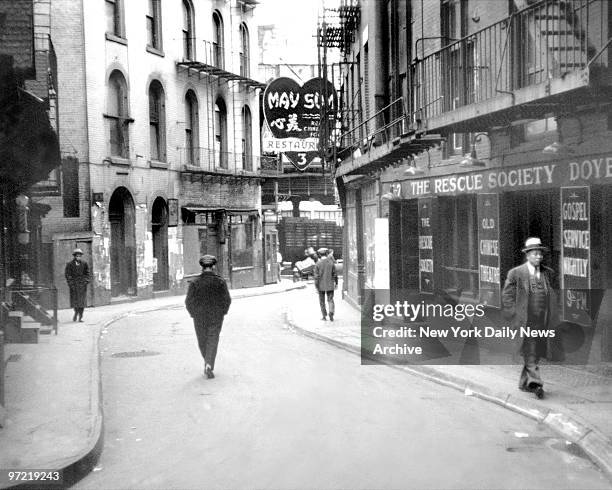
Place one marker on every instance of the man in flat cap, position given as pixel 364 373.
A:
pixel 326 280
pixel 530 300
pixel 77 277
pixel 208 301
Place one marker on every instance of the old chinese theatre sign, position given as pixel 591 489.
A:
pixel 293 114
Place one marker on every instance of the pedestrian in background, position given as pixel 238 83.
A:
pixel 530 300
pixel 279 261
pixel 326 280
pixel 208 301
pixel 77 277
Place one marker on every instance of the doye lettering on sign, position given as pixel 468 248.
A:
pixel 518 178
pixel 293 113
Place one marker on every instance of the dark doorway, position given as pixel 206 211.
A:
pixel 123 243
pixel 159 228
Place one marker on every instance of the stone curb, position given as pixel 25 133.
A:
pixel 76 467
pixel 595 444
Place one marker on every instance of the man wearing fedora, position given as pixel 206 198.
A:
pixel 208 301
pixel 326 280
pixel 530 299
pixel 77 277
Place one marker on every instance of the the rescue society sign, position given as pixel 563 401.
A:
pixel 576 257
pixel 488 249
pixel 293 115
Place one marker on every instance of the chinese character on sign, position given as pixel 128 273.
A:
pixel 279 123
pixel 293 125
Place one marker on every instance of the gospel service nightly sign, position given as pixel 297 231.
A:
pixel 293 115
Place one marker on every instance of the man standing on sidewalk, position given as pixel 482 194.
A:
pixel 77 277
pixel 530 300
pixel 208 301
pixel 326 280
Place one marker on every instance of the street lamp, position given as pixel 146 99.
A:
pixel 470 159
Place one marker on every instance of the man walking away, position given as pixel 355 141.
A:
pixel 77 277
pixel 208 301
pixel 530 300
pixel 326 280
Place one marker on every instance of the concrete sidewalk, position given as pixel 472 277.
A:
pixel 577 403
pixel 53 396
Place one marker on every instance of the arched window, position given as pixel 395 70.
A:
pixel 191 129
pixel 157 121
pixel 188 31
pixel 247 139
pixel 117 115
pixel 220 128
pixel 218 53
pixel 244 51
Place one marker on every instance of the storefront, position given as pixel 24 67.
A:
pixel 231 235
pixel 460 234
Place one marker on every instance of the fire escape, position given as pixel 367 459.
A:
pixel 546 58
pixel 363 142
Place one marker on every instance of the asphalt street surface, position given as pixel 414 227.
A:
pixel 286 412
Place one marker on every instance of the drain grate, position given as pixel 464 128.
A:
pixel 138 353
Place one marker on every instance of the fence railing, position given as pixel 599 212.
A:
pixel 209 160
pixel 381 127
pixel 36 301
pixel 543 41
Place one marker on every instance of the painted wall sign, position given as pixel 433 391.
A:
pixel 576 254
pixel 426 262
pixel 597 169
pixel 488 249
pixel 293 115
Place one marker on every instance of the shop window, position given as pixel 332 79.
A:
pixel 114 18
pixel 242 244
pixel 188 34
pixel 117 115
pixel 154 24
pixel 459 255
pixel 157 122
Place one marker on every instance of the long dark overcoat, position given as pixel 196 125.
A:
pixel 77 277
pixel 208 297
pixel 515 296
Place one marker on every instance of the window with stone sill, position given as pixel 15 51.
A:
pixel 117 115
pixel 153 18
pixel 114 18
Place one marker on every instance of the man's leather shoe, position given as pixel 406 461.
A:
pixel 331 317
pixel 539 392
pixel 209 372
pixel 74 317
pixel 324 318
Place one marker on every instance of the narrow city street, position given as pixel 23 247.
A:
pixel 287 411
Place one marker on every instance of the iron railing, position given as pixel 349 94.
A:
pixel 212 53
pixel 543 41
pixel 381 127
pixel 226 162
pixel 36 301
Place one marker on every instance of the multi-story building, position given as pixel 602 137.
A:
pixel 468 126
pixel 160 144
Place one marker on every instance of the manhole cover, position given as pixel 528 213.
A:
pixel 139 353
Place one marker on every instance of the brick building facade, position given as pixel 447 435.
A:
pixel 160 146
pixel 468 126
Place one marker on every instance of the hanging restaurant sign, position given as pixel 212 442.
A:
pixel 426 263
pixel 576 254
pixel 293 116
pixel 488 249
